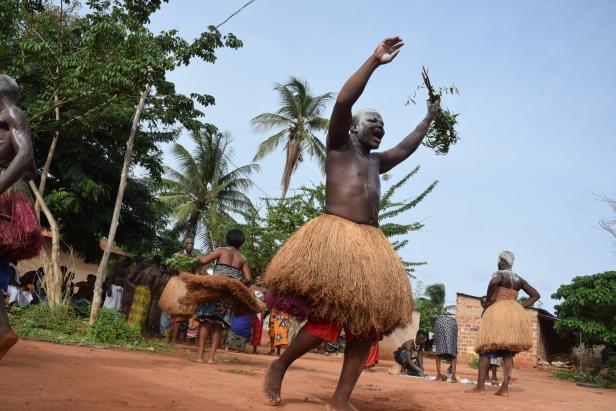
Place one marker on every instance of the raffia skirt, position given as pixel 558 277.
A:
pixel 20 235
pixel 201 289
pixel 343 272
pixel 504 327
pixel 169 300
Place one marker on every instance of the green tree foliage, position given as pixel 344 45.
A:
pixel 588 309
pixel 203 193
pixel 266 233
pixel 430 303
pixel 92 67
pixel 296 123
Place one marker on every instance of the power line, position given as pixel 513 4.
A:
pixel 237 12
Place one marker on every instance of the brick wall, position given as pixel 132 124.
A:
pixel 468 316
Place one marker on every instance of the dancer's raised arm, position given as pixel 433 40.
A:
pixel 342 116
pixel 394 156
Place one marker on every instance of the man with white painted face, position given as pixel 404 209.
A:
pixel 339 271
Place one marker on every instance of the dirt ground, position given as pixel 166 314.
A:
pixel 40 376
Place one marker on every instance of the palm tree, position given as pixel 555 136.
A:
pixel 435 293
pixel 431 305
pixel 203 193
pixel 296 122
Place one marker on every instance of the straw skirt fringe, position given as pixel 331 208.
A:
pixel 204 288
pixel 169 300
pixel 349 273
pixel 20 236
pixel 504 327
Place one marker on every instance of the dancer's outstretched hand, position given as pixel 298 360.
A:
pixel 434 107
pixel 388 49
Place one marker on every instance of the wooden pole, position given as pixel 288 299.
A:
pixel 102 267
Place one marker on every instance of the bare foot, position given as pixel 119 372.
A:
pixel 503 393
pixel 199 360
pixel 210 361
pixel 494 382
pixel 7 341
pixel 273 382
pixel 344 407
pixel 439 378
pixel 477 390
pixel 454 380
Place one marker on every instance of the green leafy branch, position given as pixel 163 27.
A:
pixel 442 132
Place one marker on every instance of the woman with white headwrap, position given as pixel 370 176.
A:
pixel 504 329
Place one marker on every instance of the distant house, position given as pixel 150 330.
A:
pixel 74 262
pixel 546 343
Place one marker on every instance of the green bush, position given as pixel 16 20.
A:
pixel 584 377
pixel 111 328
pixel 59 319
pixel 473 361
pixel 82 310
pixel 182 262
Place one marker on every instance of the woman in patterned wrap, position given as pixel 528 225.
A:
pixel 218 313
pixel 446 344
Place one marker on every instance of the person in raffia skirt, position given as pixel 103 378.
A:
pixel 223 295
pixel 504 329
pixel 20 232
pixel 339 270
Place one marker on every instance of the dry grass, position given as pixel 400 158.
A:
pixel 169 300
pixel 349 272
pixel 204 288
pixel 504 326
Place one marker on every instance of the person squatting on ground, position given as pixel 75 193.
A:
pixel 20 232
pixel 223 295
pixel 339 270
pixel 409 355
pixel 446 345
pixel 504 329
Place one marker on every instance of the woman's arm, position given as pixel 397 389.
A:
pixel 213 256
pixel 246 272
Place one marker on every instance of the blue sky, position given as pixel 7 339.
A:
pixel 537 102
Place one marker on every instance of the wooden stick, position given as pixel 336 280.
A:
pixel 426 80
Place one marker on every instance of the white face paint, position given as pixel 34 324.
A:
pixel 369 128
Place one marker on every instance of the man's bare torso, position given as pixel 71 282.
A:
pixel 7 151
pixel 353 186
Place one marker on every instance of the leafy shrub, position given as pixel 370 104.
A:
pixel 111 328
pixel 182 262
pixel 58 319
pixel 584 377
pixel 82 310
pixel 473 361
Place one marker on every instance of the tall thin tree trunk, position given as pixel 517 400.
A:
pixel 56 136
pixel 50 154
pixel 102 267
pixel 291 163
pixel 53 279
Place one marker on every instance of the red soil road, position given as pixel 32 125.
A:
pixel 40 376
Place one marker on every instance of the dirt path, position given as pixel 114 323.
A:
pixel 40 376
